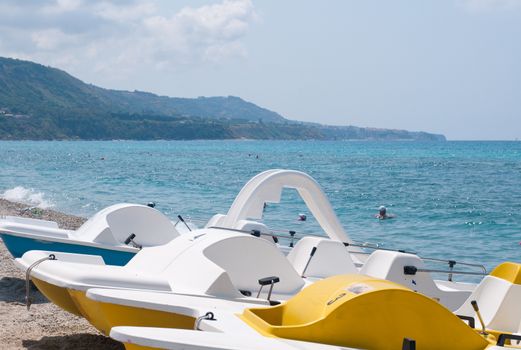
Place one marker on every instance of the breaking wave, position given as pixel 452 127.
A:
pixel 29 196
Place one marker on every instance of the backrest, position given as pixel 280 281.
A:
pixel 215 220
pixel 114 224
pixel 508 314
pixel 149 225
pixel 330 258
pixel 498 299
pixel 488 293
pixel 390 265
pixel 246 259
pixel 250 226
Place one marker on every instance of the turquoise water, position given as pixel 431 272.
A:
pixel 457 200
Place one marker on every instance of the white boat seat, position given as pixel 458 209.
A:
pixel 247 259
pixel 114 224
pixel 255 226
pixel 329 258
pixel 224 263
pixel 389 265
pixel 499 299
pixel 215 220
pixel 248 226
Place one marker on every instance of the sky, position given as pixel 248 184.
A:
pixel 444 66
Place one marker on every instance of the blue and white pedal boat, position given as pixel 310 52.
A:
pixel 115 233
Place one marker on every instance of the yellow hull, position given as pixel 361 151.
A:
pixel 58 295
pixel 104 316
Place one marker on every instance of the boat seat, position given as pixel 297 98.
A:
pixel 498 297
pixel 224 264
pixel 252 259
pixel 251 226
pixel 215 220
pixel 248 226
pixel 114 224
pixel 329 258
pixel 389 265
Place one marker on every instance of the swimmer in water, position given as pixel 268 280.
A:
pixel 382 214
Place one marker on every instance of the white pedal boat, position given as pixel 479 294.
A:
pixel 218 264
pixel 115 233
pixel 340 312
pixel 498 295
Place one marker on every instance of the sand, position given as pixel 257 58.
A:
pixel 44 326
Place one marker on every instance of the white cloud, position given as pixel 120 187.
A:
pixel 118 13
pixel 488 5
pixel 202 31
pixel 61 6
pixel 118 37
pixel 50 39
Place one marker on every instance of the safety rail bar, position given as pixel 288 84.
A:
pixel 452 263
pixel 280 233
pixel 304 234
pixel 454 272
pixel 412 270
pixel 291 236
pixel 379 248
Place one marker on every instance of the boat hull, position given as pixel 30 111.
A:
pixel 17 246
pixel 104 316
pixel 58 295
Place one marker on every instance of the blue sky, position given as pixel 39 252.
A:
pixel 451 67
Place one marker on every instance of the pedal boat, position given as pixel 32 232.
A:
pixel 115 233
pixel 339 312
pixel 214 263
pixel 235 252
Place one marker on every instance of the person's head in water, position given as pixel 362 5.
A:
pixel 382 213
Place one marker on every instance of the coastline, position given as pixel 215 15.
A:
pixel 44 326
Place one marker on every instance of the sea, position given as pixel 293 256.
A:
pixel 452 200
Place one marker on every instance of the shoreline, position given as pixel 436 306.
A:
pixel 45 325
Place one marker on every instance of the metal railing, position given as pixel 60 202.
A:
pixel 294 237
pixel 412 270
pixel 453 263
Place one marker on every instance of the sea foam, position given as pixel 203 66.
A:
pixel 29 196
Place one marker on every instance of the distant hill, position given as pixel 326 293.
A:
pixel 39 102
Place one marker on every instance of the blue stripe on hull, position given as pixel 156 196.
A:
pixel 17 246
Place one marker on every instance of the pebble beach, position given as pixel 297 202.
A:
pixel 44 326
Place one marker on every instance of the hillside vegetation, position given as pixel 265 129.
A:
pixel 40 103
